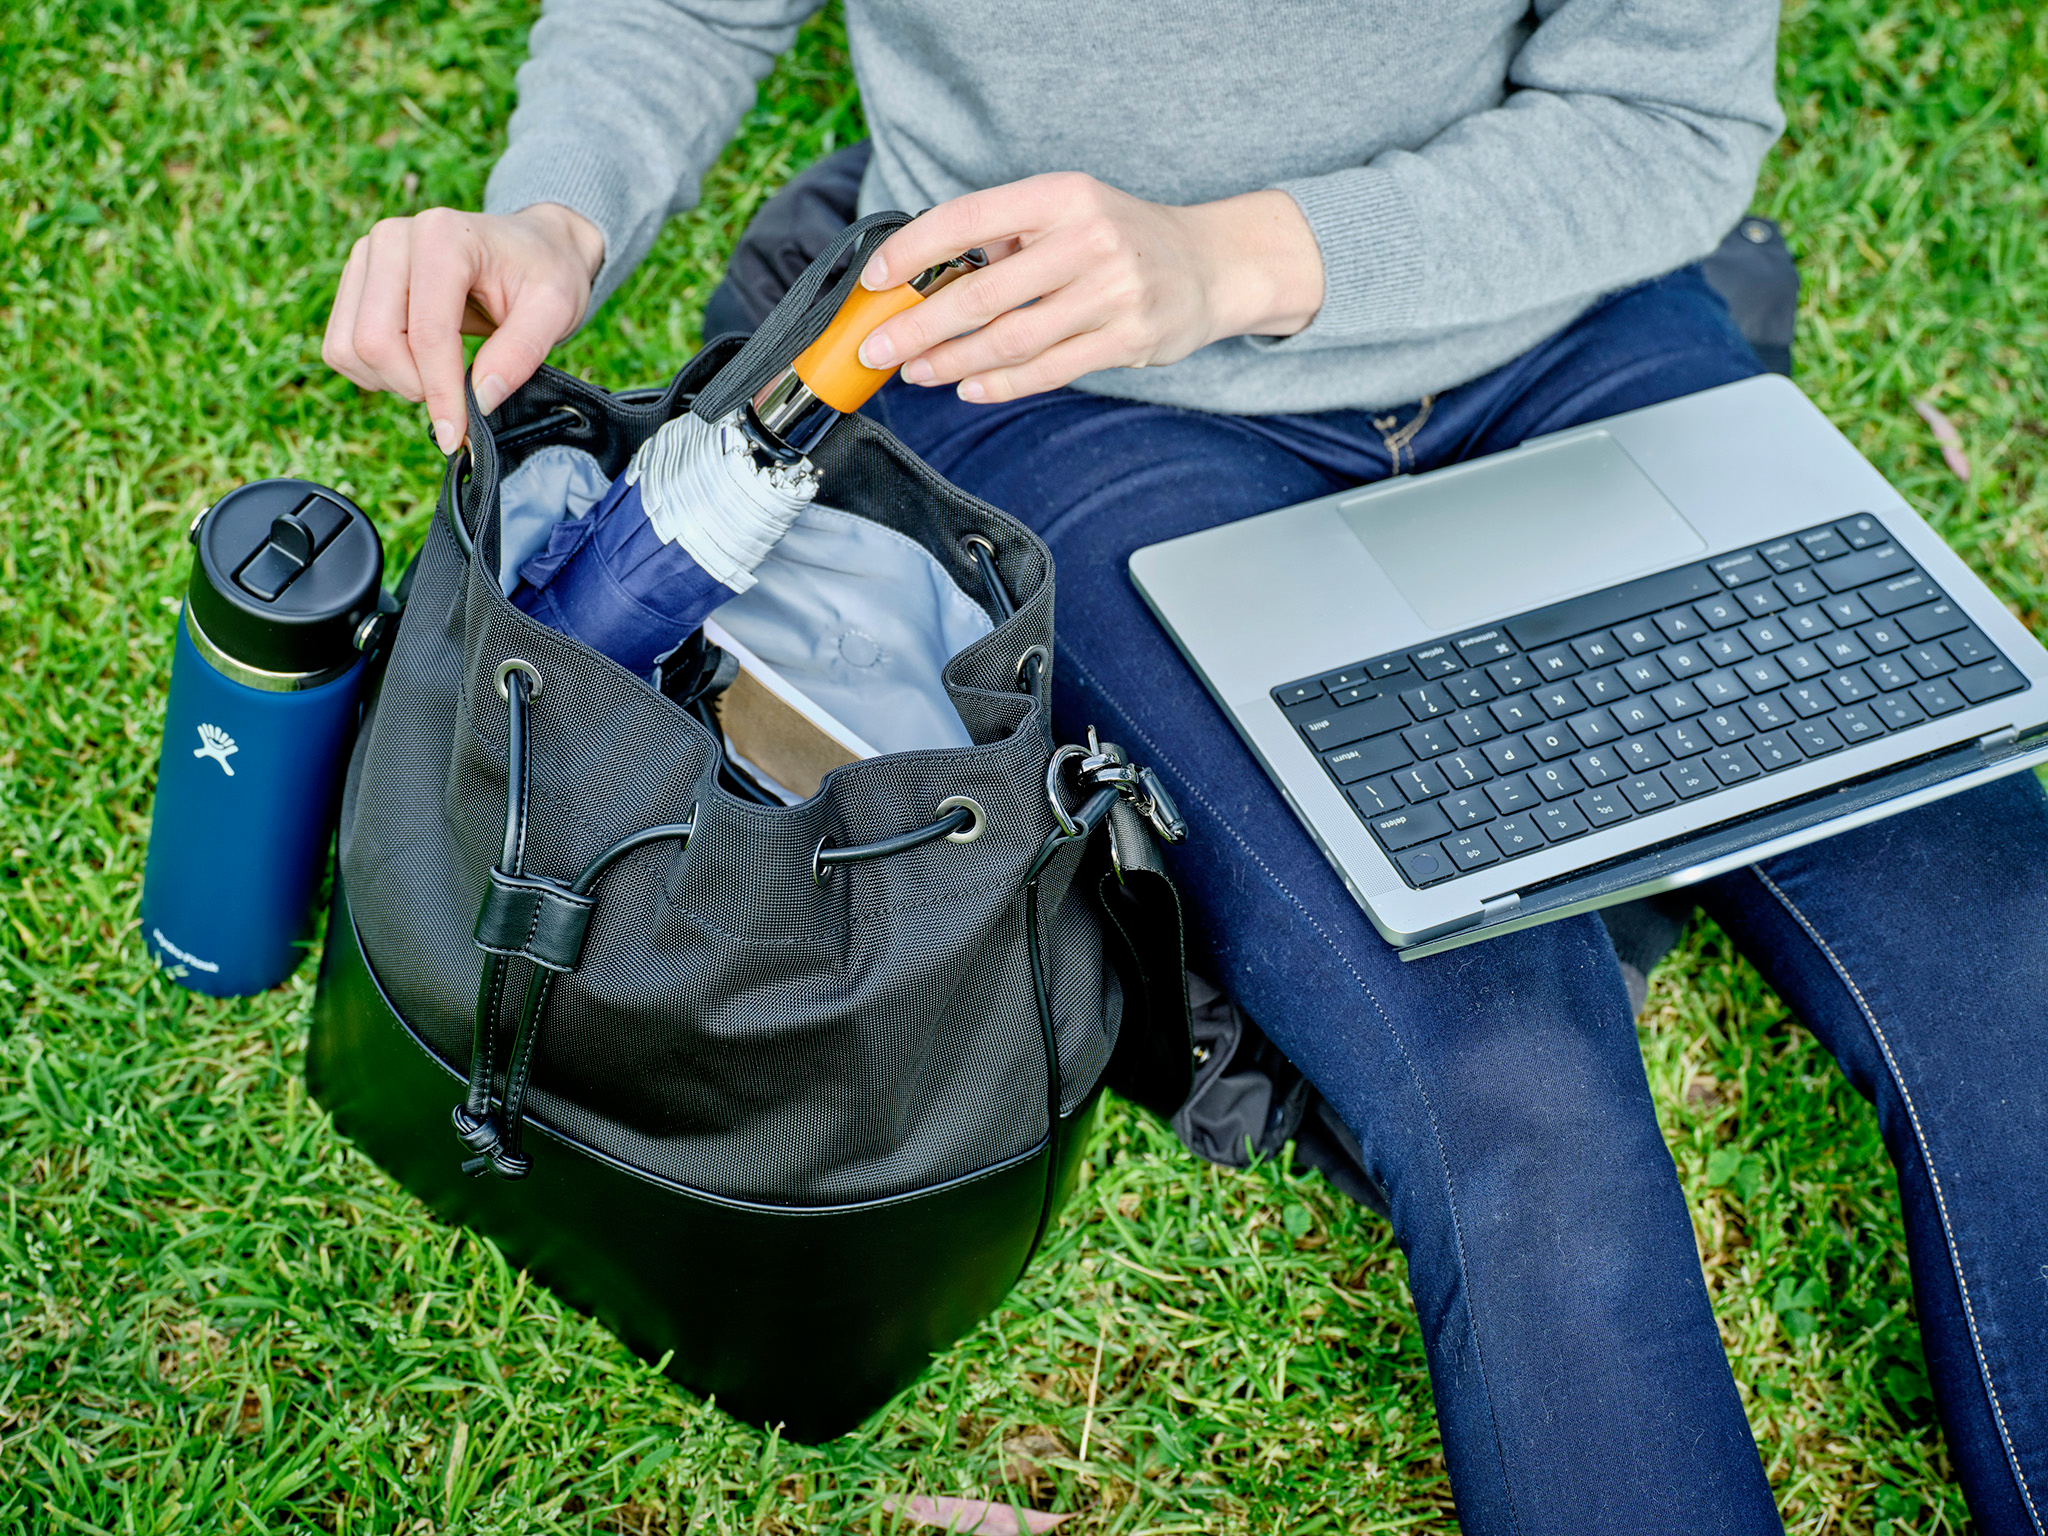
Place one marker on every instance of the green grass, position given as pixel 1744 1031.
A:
pixel 216 1316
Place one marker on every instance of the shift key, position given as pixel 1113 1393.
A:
pixel 1404 829
pixel 1326 728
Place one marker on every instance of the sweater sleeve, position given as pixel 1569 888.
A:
pixel 624 104
pixel 1628 145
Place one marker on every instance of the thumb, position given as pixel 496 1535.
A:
pixel 540 316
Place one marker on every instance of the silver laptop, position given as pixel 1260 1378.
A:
pixel 1611 662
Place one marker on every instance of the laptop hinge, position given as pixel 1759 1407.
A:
pixel 1499 907
pixel 1999 741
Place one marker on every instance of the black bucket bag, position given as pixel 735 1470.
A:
pixel 784 1095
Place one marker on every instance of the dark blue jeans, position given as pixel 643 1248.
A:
pixel 1498 1090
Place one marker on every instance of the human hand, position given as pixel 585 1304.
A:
pixel 413 288
pixel 1119 283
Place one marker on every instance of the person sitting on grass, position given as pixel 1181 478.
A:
pixel 1245 256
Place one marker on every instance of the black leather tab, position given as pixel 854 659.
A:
pixel 535 919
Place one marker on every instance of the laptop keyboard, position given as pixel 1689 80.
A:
pixel 1625 702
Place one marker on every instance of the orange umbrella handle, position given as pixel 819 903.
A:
pixel 831 367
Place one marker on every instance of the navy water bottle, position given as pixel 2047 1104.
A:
pixel 262 710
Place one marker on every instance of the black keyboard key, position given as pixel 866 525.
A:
pixel 1814 738
pixel 1890 675
pixel 1513 794
pixel 1603 807
pixel 1471 850
pixel 1436 661
pixel 1561 823
pixel 1431 739
pixel 1638 715
pixel 1849 685
pixel 1638 638
pixel 1407 827
pixel 1937 697
pixel 1594 728
pixel 1774 750
pixel 1427 702
pixel 1732 765
pixel 1766 635
pixel 1861 531
pixel 1420 782
pixel 1719 688
pixel 1858 724
pixel 1554 781
pixel 1803 661
pixel 1509 754
pixel 1683 741
pixel 1514 675
pixel 1783 555
pixel 1333 727
pixel 1690 779
pixel 1988 680
pixel 1357 693
pixel 1801 587
pixel 1386 666
pixel 1377 797
pixel 1517 714
pixel 1761 599
pixel 1648 793
pixel 1738 569
pixel 1516 834
pixel 1298 693
pixel 1602 687
pixel 1425 866
pixel 1845 609
pixel 1719 612
pixel 1760 674
pixel 1883 637
pixel 1680 624
pixel 1467 807
pixel 1807 623
pixel 1880 562
pixel 1767 713
pixel 1898 711
pixel 1685 661
pixel 1969 648
pixel 1599 650
pixel 1560 699
pixel 1598 610
pixel 1367 759
pixel 1471 726
pixel 1808 699
pixel 1726 650
pixel 1488 645
pixel 1844 649
pixel 1463 769
pixel 1678 701
pixel 1639 754
pixel 1345 677
pixel 1556 662
pixel 1552 741
pixel 1725 726
pixel 1930 660
pixel 1644 673
pixel 1601 766
pixel 1469 688
pixel 1900 593
pixel 1824 544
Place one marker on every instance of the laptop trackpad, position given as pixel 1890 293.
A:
pixel 1501 536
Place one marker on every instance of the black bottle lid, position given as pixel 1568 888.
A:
pixel 286 571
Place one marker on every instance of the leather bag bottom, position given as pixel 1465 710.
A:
pixel 801 1317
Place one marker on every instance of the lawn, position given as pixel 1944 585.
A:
pixel 215 1315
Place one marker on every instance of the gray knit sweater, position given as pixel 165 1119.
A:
pixel 1476 172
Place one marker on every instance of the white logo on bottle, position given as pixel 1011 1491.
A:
pixel 218 745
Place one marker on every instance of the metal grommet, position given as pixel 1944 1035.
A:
pixel 1044 658
pixel 513 664
pixel 974 540
pixel 974 828
pixel 817 866
pixel 575 414
pixel 1755 231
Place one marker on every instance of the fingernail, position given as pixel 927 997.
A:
pixel 444 435
pixel 874 274
pixel 878 351
pixel 491 394
pixel 917 371
pixel 972 390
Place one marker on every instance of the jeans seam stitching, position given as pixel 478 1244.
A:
pixel 1934 1179
pixel 1161 757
